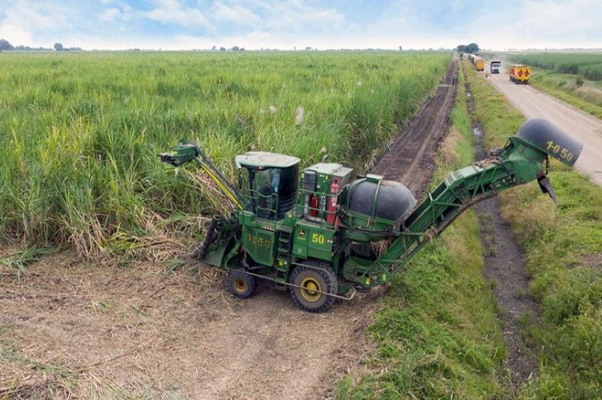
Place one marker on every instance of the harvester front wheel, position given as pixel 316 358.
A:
pixel 311 286
pixel 241 284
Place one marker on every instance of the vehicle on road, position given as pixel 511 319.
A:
pixel 495 66
pixel 520 74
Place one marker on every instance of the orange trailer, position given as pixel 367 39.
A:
pixel 520 74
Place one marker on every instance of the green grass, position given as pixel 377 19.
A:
pixel 437 334
pixel 18 261
pixel 81 130
pixel 563 246
pixel 583 94
pixel 559 242
pixel 491 109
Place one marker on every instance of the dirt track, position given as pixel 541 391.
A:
pixel 583 127
pixel 84 330
pixel 410 157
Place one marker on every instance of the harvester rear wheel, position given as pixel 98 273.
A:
pixel 241 284
pixel 311 285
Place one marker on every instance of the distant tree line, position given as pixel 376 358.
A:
pixel 234 48
pixel 5 45
pixel 471 48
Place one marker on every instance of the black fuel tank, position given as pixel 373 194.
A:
pixel 374 197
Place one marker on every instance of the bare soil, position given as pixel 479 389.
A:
pixel 121 332
pixel 73 329
pixel 410 157
pixel 505 265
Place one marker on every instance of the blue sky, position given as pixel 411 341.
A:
pixel 288 24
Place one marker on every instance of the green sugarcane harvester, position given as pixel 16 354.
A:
pixel 325 235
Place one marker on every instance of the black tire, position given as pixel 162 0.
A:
pixel 310 286
pixel 241 284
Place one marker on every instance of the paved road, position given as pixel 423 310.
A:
pixel 581 126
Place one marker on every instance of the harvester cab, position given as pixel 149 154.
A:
pixel 269 182
pixel 342 233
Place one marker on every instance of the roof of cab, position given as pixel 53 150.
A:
pixel 261 159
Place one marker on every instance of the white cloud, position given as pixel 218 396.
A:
pixel 172 12
pixel 16 34
pixel 299 15
pixel 238 14
pixel 288 23
pixel 256 24
pixel 562 20
pixel 117 13
pixel 110 14
pixel 184 42
pixel 541 24
pixel 24 21
pixel 35 16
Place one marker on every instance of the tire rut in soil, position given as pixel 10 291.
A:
pixel 410 159
pixel 505 265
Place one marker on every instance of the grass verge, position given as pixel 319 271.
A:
pixel 572 90
pixel 437 334
pixel 563 245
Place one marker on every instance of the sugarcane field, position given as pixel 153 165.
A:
pixel 345 216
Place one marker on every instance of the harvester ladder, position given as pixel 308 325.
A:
pixel 285 243
pixel 284 246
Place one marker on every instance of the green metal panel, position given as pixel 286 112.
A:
pixel 519 162
pixel 313 241
pixel 300 242
pixel 364 273
pixel 259 244
pixel 316 182
pixel 215 256
pixel 320 244
pixel 326 172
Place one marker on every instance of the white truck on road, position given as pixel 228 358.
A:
pixel 494 67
